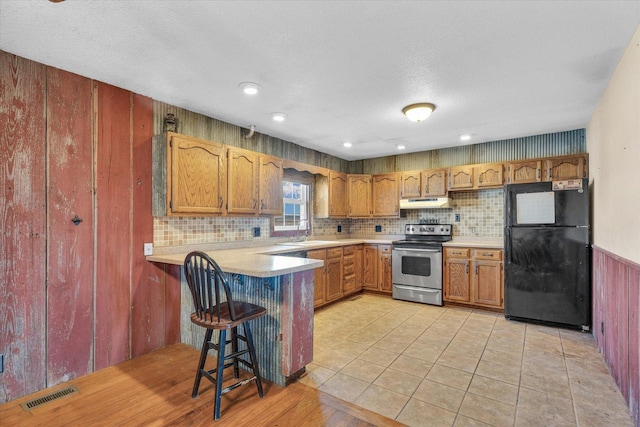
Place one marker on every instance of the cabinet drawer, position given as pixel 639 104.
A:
pixel 347 259
pixel 347 269
pixel 334 253
pixel 349 282
pixel 385 249
pixel 456 252
pixel 348 250
pixel 494 254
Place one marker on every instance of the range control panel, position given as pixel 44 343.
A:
pixel 428 229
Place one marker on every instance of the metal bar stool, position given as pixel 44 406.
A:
pixel 215 309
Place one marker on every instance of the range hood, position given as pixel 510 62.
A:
pixel 434 203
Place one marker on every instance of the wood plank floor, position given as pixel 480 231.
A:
pixel 155 390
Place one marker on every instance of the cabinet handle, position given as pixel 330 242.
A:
pixel 538 173
pixel 221 202
pixel 476 269
pixel 467 269
pixel 255 202
pixel 261 204
pixel 486 254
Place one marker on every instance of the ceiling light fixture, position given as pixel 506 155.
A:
pixel 250 88
pixel 279 117
pixel 347 144
pixel 418 112
pixel 401 146
pixel 464 137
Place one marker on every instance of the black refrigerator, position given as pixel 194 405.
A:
pixel 547 273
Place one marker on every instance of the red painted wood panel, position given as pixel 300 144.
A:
pixel 611 317
pixel 622 343
pixel 597 299
pixel 297 325
pixel 70 253
pixel 113 225
pixel 23 225
pixel 147 288
pixel 172 303
pixel 634 343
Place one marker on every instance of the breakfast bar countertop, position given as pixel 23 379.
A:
pixel 260 261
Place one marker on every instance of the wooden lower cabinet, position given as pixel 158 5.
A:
pixel 327 280
pixel 351 269
pixel 474 276
pixel 377 268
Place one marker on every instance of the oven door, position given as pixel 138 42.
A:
pixel 419 267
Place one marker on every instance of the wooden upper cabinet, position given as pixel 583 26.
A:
pixel 243 168
pixel 338 199
pixel 196 176
pixel 411 184
pixel 270 185
pixel 385 190
pixel 434 183
pixel 461 177
pixel 568 167
pixel 359 192
pixel 524 171
pixel 489 175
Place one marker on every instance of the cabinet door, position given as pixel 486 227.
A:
pixel 338 200
pixel 489 175
pixel 461 177
pixel 243 181
pixel 487 283
pixel 434 183
pixel 385 191
pixel 386 282
pixel 333 284
pixel 270 185
pixel 523 172
pixel 410 185
pixel 196 176
pixel 456 280
pixel 370 267
pixel 319 277
pixel 358 257
pixel 359 191
pixel 570 167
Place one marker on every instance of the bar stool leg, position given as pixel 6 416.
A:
pixel 219 374
pixel 234 348
pixel 254 358
pixel 206 345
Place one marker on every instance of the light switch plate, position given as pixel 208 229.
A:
pixel 148 249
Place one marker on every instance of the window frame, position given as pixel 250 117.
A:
pixel 302 178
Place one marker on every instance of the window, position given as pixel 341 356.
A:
pixel 295 208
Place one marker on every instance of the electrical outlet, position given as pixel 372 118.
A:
pixel 378 228
pixel 148 249
pixel 339 229
pixel 457 217
pixel 256 231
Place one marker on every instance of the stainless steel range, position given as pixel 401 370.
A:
pixel 417 263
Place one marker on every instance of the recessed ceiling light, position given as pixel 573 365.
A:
pixel 347 144
pixel 250 88
pixel 279 117
pixel 401 146
pixel 418 112
pixel 464 137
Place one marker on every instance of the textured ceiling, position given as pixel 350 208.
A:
pixel 342 71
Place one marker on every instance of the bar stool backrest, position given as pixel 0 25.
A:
pixel 209 288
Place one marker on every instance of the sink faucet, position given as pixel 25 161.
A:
pixel 298 238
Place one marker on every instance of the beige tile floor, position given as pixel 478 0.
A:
pixel 437 366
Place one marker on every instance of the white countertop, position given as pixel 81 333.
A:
pixel 261 261
pixel 476 242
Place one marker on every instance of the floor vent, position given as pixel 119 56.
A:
pixel 357 297
pixel 49 397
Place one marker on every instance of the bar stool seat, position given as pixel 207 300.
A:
pixel 215 309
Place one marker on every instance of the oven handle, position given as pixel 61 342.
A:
pixel 433 291
pixel 415 250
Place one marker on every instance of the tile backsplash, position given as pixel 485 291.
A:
pixel 480 212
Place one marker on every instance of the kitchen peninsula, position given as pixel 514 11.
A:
pixel 281 284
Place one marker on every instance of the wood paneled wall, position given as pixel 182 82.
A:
pixel 75 298
pixel 616 321
pixel 200 126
